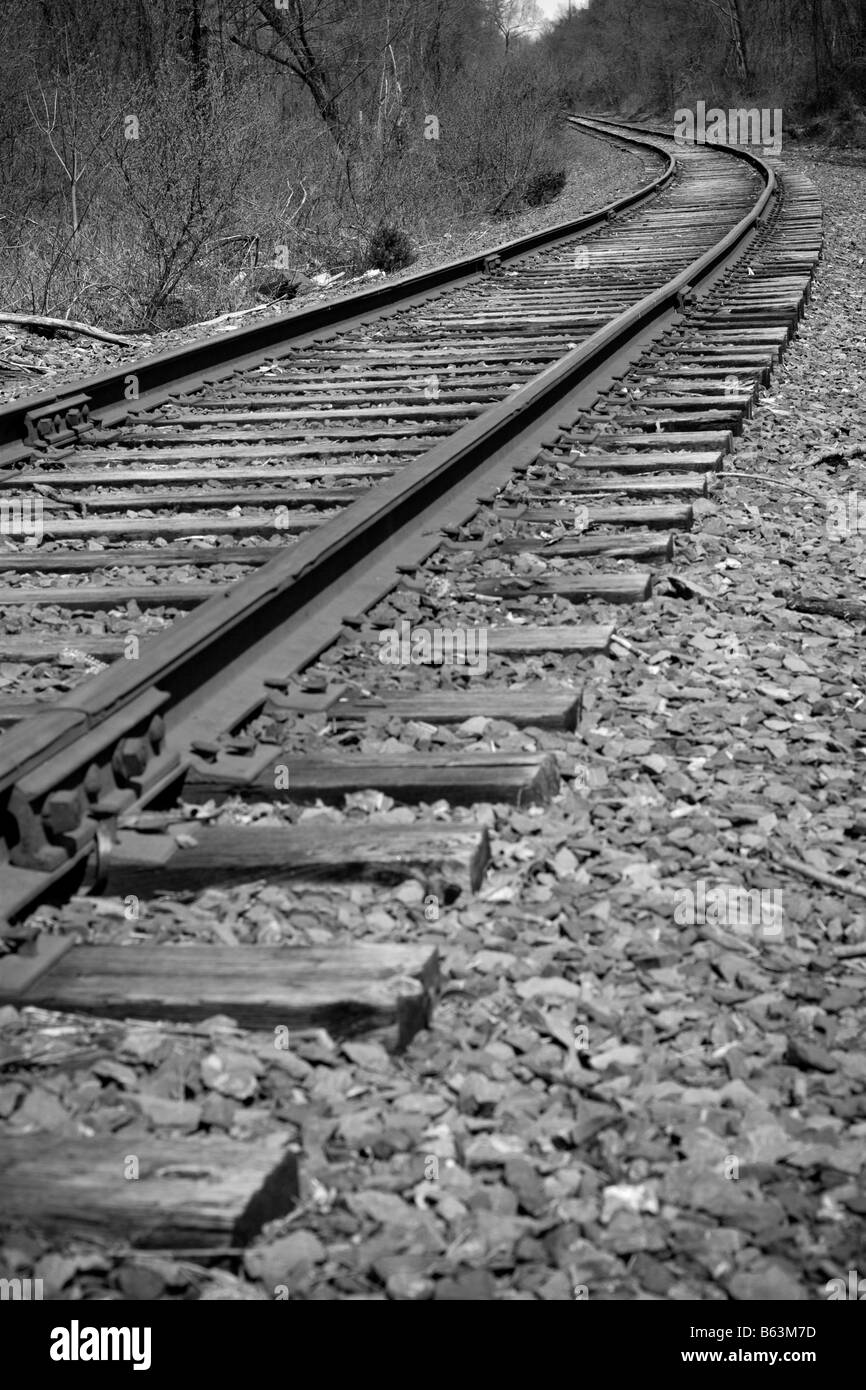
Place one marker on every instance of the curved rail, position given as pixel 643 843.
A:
pixel 66 774
pixel 180 368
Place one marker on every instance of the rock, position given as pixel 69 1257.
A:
pixel 143 1044
pixel 500 1234
pixel 526 1185
pixel 384 1207
pixel 651 1274
pixel 41 1109
pixel 231 1073
pixel 492 1150
pixel 628 1197
pixel 284 1259
pixel 809 1056
pixel 217 1112
pixel 56 1271
pixel 10 1094
pixel 229 1290
pixel 370 1055
pixel 109 1070
pixel 629 1234
pixel 732 1202
pixel 767 1283
pixel 549 987
pixel 289 1062
pixel 478 1096
pixel 557 1288
pixel 140 1282
pixel 469 1286
pixel 184 1115
pixel 392 1141
pixel 251 1122
pixel 360 1128
pixel 438 1142
pixel 626 1055
pixel 417 1103
pixel 105 1119
pixel 405 1286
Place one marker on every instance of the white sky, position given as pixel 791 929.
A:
pixel 552 8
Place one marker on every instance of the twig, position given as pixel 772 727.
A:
pixel 207 1252
pixel 65 325
pixel 21 366
pixel 857 948
pixel 856 451
pixel 631 648
pixel 829 880
pixel 771 482
pixel 238 313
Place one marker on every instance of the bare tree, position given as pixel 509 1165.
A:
pixel 730 13
pixel 73 135
pixel 514 19
pixel 302 36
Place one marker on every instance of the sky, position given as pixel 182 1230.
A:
pixel 552 8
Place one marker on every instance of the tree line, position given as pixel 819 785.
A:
pixel 806 56
pixel 162 161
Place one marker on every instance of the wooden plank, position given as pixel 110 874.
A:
pixel 518 640
pixel 722 441
pixel 535 641
pixel 665 485
pixel 119 474
pixel 72 650
pixel 184 447
pixel 611 588
pixel 22 968
pixel 453 857
pixel 522 779
pixel 740 401
pixel 249 409
pixel 540 707
pixel 204 499
pixel 345 988
pixel 184 1194
pixel 678 516
pixel 661 422
pixel 86 597
pixel 162 557
pixel 624 546
pixel 651 462
pixel 307 383
pixel 380 412
pixel 273 523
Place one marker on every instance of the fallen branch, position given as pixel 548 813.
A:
pixel 833 456
pixel 238 313
pixel 771 482
pixel 65 326
pixel 828 880
pixel 8 363
pixel 850 609
pixel 857 948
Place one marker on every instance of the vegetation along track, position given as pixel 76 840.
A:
pixel 354 471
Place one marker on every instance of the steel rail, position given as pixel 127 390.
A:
pixel 105 745
pixel 184 368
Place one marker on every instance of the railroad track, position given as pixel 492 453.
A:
pixel 470 457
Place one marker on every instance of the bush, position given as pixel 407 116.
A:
pixel 390 249
pixel 544 187
pixel 504 127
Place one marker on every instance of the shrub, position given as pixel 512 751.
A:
pixel 545 186
pixel 390 249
